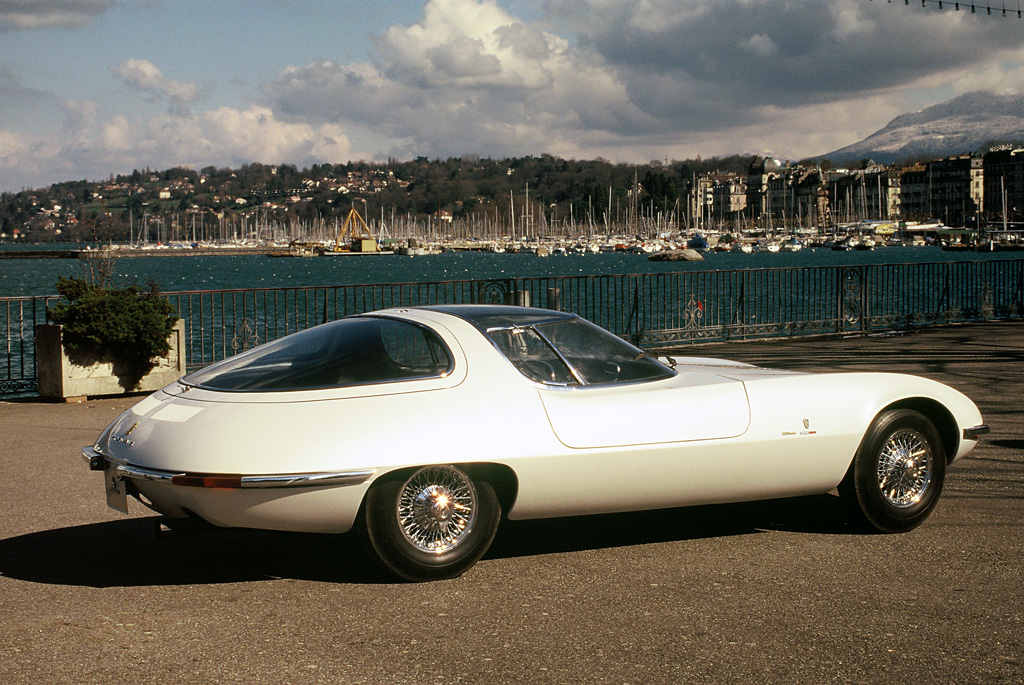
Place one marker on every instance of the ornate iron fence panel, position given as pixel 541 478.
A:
pixel 18 319
pixel 654 310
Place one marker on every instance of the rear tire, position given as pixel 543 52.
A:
pixel 433 525
pixel 897 474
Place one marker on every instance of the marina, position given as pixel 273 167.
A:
pixel 230 268
pixel 232 298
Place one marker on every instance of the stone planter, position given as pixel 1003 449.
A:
pixel 62 378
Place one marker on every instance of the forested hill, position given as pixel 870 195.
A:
pixel 90 210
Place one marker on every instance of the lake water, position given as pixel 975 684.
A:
pixel 39 276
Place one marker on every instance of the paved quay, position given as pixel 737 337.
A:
pixel 761 592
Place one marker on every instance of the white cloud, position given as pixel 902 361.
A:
pixel 224 136
pixel 465 43
pixel 39 14
pixel 255 134
pixel 761 45
pixel 467 77
pixel 116 136
pixel 79 117
pixel 143 75
pixel 630 80
pixel 12 148
pixel 27 161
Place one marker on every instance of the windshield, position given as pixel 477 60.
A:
pixel 347 352
pixel 575 351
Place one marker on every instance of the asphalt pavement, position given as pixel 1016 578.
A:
pixel 769 592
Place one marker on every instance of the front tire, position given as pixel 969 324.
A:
pixel 433 525
pixel 897 474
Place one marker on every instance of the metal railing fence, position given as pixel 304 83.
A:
pixel 18 319
pixel 653 310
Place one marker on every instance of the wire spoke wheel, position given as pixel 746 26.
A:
pixel 897 474
pixel 437 508
pixel 904 468
pixel 433 524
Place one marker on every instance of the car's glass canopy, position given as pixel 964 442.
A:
pixel 560 348
pixel 350 351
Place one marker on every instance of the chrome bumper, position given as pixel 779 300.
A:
pixel 975 432
pixel 99 462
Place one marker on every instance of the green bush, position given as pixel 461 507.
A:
pixel 127 324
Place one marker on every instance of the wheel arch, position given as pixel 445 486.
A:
pixel 939 416
pixel 501 477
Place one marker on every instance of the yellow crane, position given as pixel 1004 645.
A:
pixel 354 235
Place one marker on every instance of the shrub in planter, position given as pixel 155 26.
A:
pixel 128 325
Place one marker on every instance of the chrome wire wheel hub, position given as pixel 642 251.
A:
pixel 904 468
pixel 437 508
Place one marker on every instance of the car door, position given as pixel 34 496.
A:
pixel 692 406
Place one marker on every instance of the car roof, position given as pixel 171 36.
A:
pixel 489 316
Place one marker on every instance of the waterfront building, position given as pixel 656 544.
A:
pixel 1004 186
pixel 882 192
pixel 950 190
pixel 780 202
pixel 957 189
pixel 729 197
pixel 702 197
pixel 812 202
pixel 762 170
pixel 869 194
pixel 914 196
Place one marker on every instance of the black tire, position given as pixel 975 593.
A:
pixel 897 474
pixel 433 525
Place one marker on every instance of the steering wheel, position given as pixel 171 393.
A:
pixel 538 370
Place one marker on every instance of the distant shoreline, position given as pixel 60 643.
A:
pixel 133 252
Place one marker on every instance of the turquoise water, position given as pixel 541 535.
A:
pixel 39 276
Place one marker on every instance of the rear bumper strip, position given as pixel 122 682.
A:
pixel 99 462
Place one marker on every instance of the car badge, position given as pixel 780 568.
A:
pixel 807 424
pixel 124 440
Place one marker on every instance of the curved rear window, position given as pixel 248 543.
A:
pixel 352 351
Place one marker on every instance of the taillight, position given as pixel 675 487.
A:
pixel 208 481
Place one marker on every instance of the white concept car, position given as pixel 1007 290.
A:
pixel 418 427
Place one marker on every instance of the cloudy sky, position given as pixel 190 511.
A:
pixel 94 87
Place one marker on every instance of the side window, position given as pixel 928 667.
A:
pixel 600 357
pixel 534 358
pixel 414 350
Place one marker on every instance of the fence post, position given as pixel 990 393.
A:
pixel 519 298
pixel 633 326
pixel 554 299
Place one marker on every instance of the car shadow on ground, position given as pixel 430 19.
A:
pixel 819 514
pixel 127 553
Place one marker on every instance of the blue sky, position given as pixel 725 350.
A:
pixel 90 88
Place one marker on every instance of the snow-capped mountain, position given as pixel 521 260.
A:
pixel 963 124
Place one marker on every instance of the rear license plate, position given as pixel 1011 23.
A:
pixel 117 493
